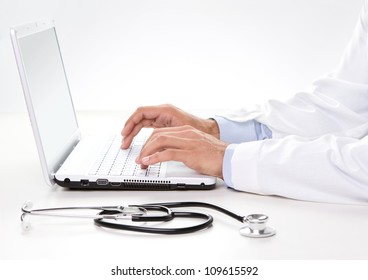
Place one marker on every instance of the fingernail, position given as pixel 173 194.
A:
pixel 145 159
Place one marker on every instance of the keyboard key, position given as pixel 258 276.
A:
pixel 115 162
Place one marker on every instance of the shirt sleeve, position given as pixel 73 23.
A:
pixel 238 132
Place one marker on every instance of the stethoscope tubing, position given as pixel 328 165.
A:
pixel 155 230
pixel 199 204
pixel 182 230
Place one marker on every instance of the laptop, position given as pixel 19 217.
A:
pixel 67 158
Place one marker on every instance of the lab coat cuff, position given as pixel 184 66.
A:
pixel 226 164
pixel 244 167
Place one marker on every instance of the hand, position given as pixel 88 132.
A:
pixel 196 149
pixel 164 116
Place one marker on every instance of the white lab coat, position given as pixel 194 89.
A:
pixel 319 150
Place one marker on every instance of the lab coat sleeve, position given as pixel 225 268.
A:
pixel 337 104
pixel 327 169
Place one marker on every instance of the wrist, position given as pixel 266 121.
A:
pixel 212 128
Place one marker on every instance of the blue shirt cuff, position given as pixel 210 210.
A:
pixel 239 132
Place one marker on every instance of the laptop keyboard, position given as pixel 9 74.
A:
pixel 113 161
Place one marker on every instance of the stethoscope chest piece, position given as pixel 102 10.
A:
pixel 257 226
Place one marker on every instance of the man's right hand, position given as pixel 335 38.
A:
pixel 164 116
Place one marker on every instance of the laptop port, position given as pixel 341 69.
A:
pixel 102 182
pixel 115 184
pixel 84 183
pixel 181 186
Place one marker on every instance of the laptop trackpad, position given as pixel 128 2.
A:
pixel 178 169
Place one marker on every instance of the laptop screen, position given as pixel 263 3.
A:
pixel 48 91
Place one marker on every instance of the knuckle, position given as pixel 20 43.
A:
pixel 139 109
pixel 161 138
pixel 193 133
pixel 166 107
pixel 142 109
pixel 155 133
pixel 188 127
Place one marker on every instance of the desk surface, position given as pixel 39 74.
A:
pixel 305 230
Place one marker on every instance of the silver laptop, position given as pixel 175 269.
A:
pixel 68 159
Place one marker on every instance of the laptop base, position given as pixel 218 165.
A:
pixel 105 185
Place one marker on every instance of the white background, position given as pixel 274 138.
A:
pixel 120 54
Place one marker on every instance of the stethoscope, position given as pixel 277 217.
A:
pixel 112 217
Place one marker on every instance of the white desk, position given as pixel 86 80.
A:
pixel 304 230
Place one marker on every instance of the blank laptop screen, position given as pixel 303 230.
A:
pixel 49 92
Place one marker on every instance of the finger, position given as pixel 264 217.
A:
pixel 128 127
pixel 142 113
pixel 185 131
pixel 164 142
pixel 166 155
pixel 173 129
pixel 127 140
pixel 160 131
pixel 163 132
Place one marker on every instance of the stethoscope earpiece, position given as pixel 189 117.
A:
pixel 257 226
pixel 26 225
pixel 27 205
